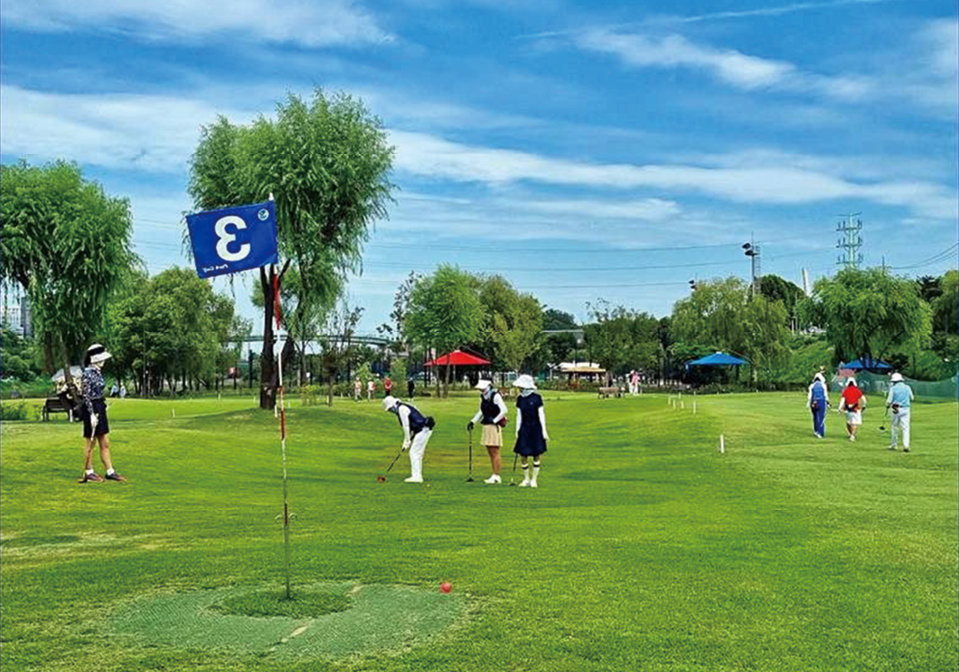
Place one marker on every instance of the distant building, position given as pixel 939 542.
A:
pixel 16 316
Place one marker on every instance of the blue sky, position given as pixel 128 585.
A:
pixel 581 150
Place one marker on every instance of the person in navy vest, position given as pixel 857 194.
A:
pixel 417 430
pixel 817 401
pixel 94 415
pixel 492 416
pixel 531 436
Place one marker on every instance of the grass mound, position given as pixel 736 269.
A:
pixel 309 603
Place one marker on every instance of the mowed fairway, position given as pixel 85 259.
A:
pixel 644 548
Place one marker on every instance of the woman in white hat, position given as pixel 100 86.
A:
pixel 816 401
pixel 94 413
pixel 417 430
pixel 853 401
pixel 492 416
pixel 531 436
pixel 899 402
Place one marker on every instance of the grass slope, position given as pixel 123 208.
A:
pixel 643 548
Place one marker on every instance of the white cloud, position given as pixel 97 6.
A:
pixel 120 131
pixel 728 65
pixel 766 182
pixel 314 24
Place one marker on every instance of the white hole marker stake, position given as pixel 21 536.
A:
pixel 722 444
pixel 173 412
pixel 694 408
pixel 682 403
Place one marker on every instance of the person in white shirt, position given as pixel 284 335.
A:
pixel 492 416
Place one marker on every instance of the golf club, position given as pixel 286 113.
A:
pixel 512 477
pixel 882 426
pixel 382 479
pixel 470 479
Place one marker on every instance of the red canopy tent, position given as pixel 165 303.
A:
pixel 457 358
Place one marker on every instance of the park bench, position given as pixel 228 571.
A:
pixel 57 405
pixel 607 392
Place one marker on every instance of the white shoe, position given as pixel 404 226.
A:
pixel 493 480
pixel 526 483
pixel 852 437
pixel 532 484
pixel 412 479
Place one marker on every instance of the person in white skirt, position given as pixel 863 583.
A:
pixel 492 416
pixel 853 401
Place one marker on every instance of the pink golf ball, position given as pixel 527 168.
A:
pixel 446 587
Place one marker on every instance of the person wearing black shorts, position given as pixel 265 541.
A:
pixel 96 426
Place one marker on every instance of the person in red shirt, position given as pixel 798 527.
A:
pixel 852 402
pixel 388 387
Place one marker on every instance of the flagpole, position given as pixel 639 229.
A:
pixel 286 506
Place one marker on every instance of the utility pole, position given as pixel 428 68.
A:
pixel 850 240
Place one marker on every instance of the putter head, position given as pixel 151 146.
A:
pixel 381 479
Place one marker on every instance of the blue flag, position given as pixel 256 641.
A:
pixel 234 239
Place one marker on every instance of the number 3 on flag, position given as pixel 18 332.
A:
pixel 224 238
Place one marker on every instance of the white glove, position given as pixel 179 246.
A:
pixel 94 420
pixel 406 445
pixel 545 436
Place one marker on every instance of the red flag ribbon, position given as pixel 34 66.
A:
pixel 276 300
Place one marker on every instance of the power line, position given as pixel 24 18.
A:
pixel 940 256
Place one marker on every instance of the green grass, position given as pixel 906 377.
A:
pixel 302 603
pixel 642 549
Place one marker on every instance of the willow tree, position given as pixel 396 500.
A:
pixel 513 323
pixel 868 313
pixel 67 244
pixel 445 312
pixel 326 161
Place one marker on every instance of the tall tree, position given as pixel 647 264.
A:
pixel 621 339
pixel 68 245
pixel 513 323
pixel 868 313
pixel 445 312
pixel 559 345
pixel 174 328
pixel 327 162
pixel 721 315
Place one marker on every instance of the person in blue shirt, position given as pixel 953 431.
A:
pixel 817 401
pixel 899 402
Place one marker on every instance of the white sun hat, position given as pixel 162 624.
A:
pixel 96 353
pixel 482 384
pixel 525 382
pixel 389 402
pixel 851 381
pixel 896 377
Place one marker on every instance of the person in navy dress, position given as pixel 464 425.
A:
pixel 531 435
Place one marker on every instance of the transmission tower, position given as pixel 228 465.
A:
pixel 849 241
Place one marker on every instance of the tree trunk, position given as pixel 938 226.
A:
pixel 267 368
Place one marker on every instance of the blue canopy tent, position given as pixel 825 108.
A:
pixel 716 359
pixel 713 362
pixel 867 364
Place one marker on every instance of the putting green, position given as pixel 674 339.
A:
pixel 379 619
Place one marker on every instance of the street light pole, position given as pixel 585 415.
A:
pixel 751 250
